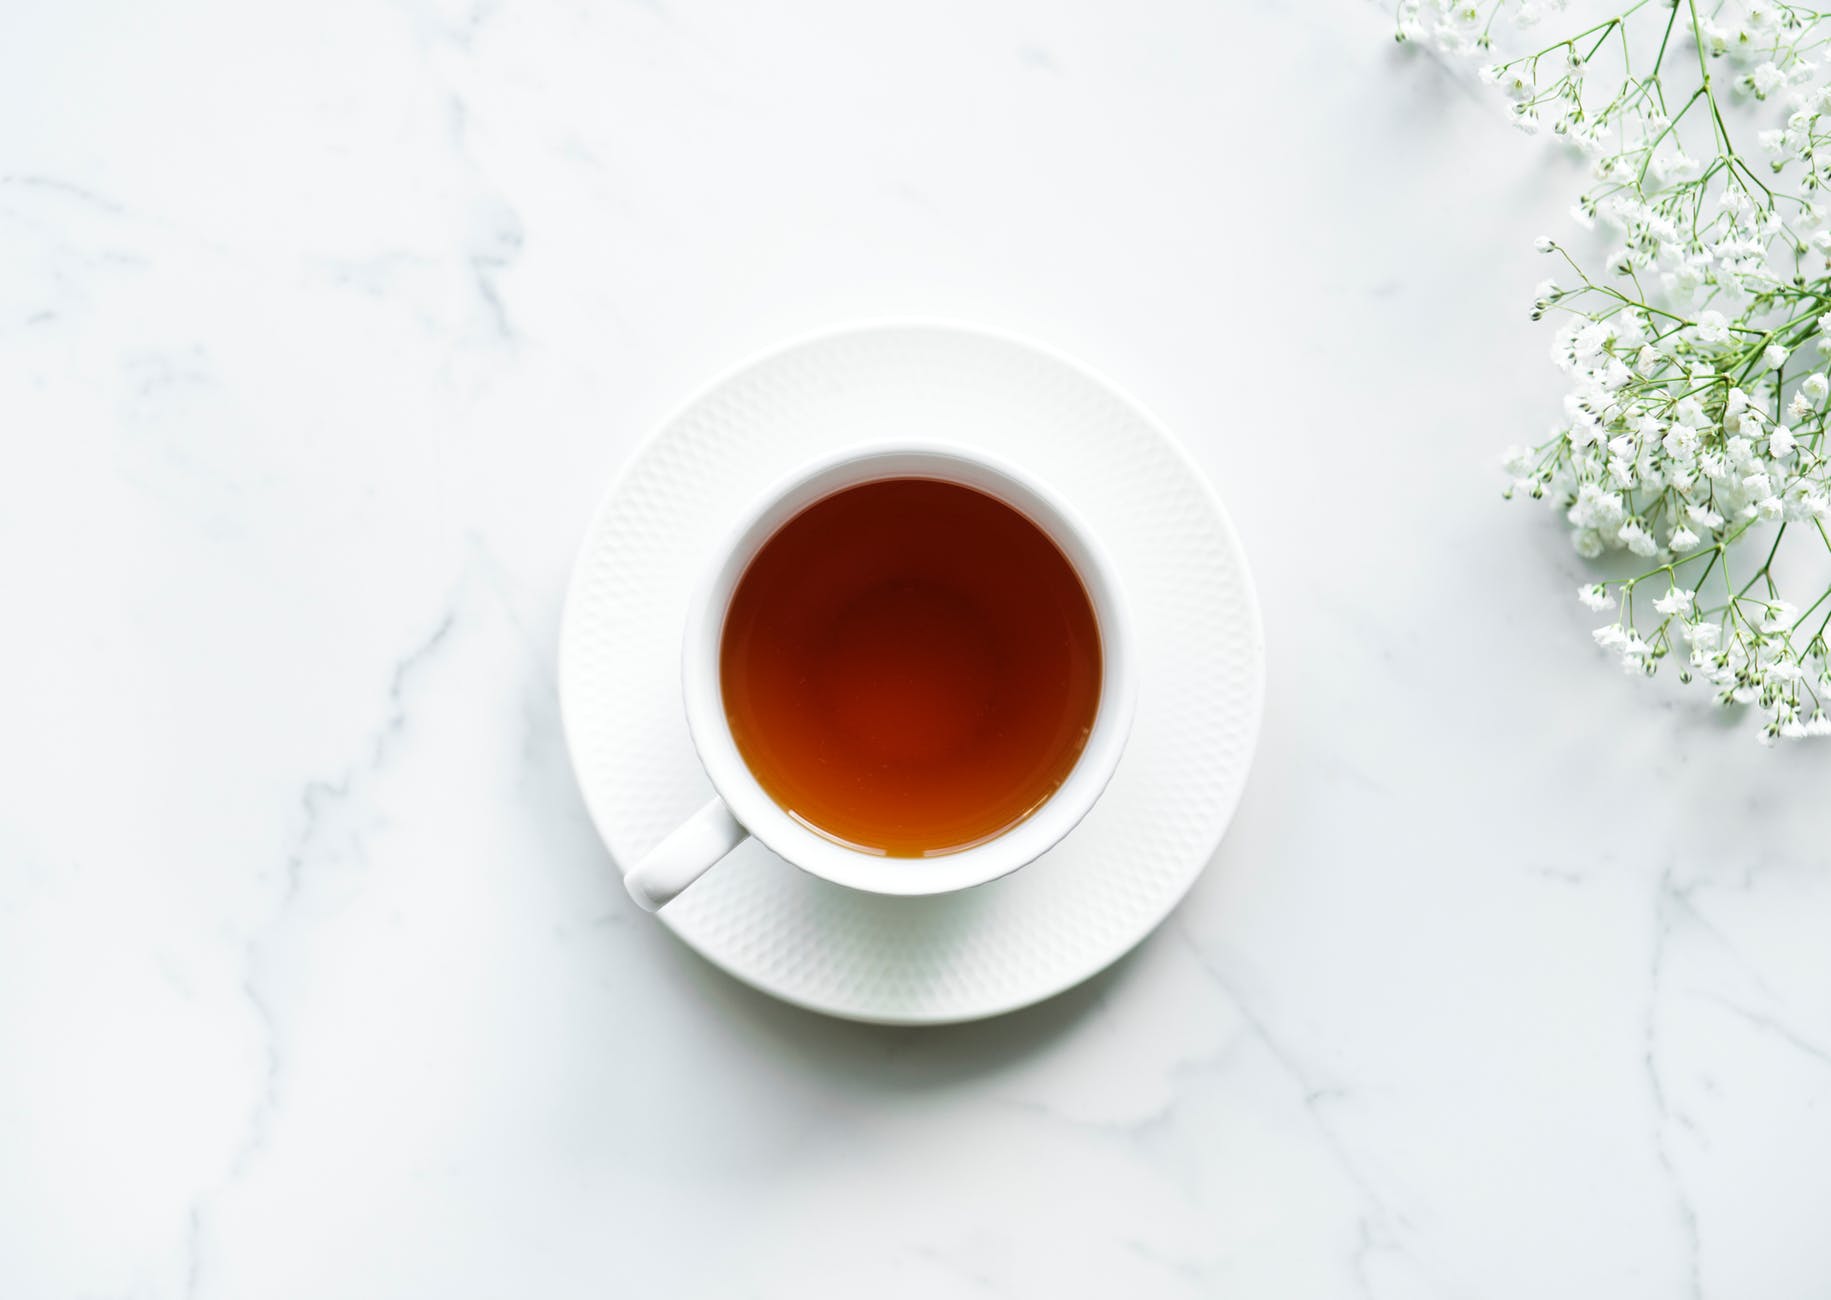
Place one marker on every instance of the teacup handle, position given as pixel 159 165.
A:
pixel 684 856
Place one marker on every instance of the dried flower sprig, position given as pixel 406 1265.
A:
pixel 1693 437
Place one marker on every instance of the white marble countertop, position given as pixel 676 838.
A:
pixel 321 333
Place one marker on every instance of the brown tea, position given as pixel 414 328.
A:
pixel 910 667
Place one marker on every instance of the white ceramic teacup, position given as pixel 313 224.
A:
pixel 743 808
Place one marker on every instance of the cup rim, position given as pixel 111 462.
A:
pixel 829 859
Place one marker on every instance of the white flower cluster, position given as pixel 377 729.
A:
pixel 1692 447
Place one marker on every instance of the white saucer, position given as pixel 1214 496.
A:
pixel 1201 683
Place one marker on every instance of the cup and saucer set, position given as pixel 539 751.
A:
pixel 840 709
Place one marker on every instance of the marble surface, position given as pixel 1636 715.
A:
pixel 322 330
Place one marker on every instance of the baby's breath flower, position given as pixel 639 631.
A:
pixel 1779 616
pixel 1712 327
pixel 1784 671
pixel 1637 539
pixel 1680 421
pixel 1680 442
